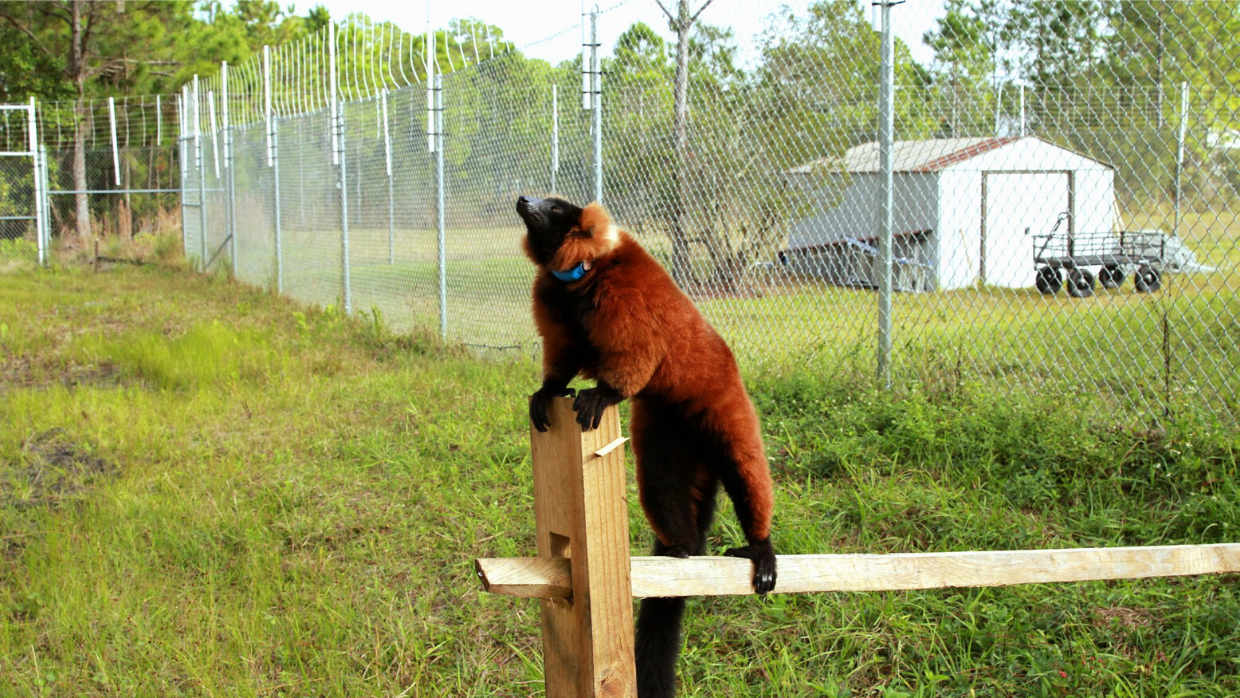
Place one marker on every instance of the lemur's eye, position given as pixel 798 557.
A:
pixel 555 209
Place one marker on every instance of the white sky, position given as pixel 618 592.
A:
pixel 526 22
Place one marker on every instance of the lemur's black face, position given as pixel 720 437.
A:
pixel 548 222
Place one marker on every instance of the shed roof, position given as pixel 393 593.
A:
pixel 926 155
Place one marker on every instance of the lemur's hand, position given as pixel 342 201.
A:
pixel 539 402
pixel 591 403
pixel 763 557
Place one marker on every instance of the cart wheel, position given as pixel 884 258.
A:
pixel 1111 276
pixel 1080 283
pixel 1148 280
pixel 1048 281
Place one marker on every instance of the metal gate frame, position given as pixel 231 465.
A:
pixel 38 165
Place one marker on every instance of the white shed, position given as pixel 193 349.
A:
pixel 964 211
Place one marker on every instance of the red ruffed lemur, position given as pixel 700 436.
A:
pixel 607 310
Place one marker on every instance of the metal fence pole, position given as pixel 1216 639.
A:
pixel 202 179
pixel 40 213
pixel 182 131
pixel 555 134
pixel 47 205
pixel 885 137
pixel 387 163
pixel 1181 134
pixel 273 161
pixel 439 206
pixel 596 87
pixel 339 158
pixel 275 168
pixel 230 208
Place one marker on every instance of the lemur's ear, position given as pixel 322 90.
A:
pixel 595 219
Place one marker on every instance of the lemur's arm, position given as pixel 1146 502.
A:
pixel 562 358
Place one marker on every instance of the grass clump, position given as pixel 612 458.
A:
pixel 207 490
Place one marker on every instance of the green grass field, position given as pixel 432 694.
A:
pixel 207 490
pixel 1122 351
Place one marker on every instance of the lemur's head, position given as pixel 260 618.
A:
pixel 564 238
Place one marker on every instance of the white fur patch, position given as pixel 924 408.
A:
pixel 611 236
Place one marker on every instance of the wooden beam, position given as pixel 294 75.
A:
pixel 718 576
pixel 582 524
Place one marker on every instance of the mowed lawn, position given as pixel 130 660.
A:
pixel 207 490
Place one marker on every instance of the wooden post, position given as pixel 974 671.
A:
pixel 582 514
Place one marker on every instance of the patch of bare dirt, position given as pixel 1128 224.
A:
pixel 1124 617
pixel 52 468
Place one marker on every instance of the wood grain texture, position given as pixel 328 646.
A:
pixel 718 576
pixel 582 523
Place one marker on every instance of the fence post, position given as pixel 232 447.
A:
pixel 387 162
pixel 885 137
pixel 439 212
pixel 1181 135
pixel 47 205
pixel 40 213
pixel 596 88
pixel 230 204
pixel 582 515
pixel 273 161
pixel 555 134
pixel 339 158
pixel 202 178
pixel 182 130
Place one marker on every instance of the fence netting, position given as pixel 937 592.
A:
pixel 1065 184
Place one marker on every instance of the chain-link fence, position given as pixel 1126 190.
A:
pixel 113 167
pixel 1063 183
pixel 23 187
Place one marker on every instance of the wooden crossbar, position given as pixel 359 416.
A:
pixel 548 578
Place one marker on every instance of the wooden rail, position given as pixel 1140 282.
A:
pixel 586 580
pixel 542 578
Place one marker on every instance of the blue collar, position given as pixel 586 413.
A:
pixel 573 274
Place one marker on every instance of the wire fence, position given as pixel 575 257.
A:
pixel 1063 211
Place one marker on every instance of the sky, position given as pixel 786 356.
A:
pixel 525 22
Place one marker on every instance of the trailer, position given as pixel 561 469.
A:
pixel 1145 254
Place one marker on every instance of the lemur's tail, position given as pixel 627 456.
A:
pixel 658 645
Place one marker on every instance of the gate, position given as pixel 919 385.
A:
pixel 24 229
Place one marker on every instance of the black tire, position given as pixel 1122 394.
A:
pixel 1111 276
pixel 1147 279
pixel 1048 281
pixel 1080 283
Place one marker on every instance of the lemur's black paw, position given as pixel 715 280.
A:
pixel 763 557
pixel 539 402
pixel 590 405
pixel 674 551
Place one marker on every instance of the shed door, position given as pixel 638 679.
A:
pixel 1012 202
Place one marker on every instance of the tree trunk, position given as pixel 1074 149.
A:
pixel 77 72
pixel 79 174
pixel 681 270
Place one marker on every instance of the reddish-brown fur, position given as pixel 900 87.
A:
pixel 651 342
pixel 628 326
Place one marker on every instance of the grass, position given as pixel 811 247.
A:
pixel 209 490
pixel 1125 352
